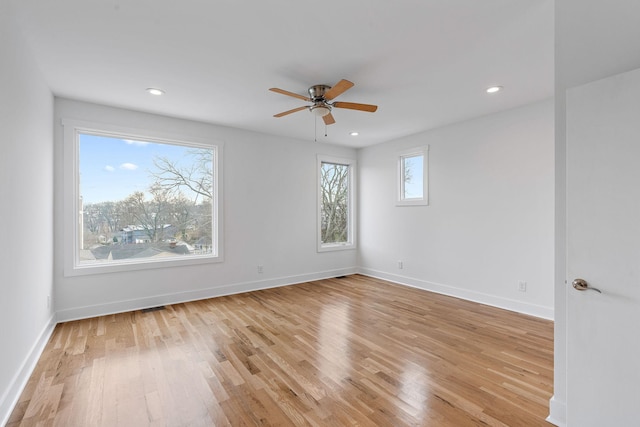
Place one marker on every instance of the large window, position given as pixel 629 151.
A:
pixel 412 177
pixel 336 194
pixel 138 201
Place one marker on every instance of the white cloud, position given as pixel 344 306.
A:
pixel 133 142
pixel 128 166
pixel 109 168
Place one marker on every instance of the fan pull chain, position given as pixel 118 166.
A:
pixel 315 129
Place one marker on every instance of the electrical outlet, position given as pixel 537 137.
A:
pixel 400 265
pixel 260 269
pixel 48 301
pixel 522 286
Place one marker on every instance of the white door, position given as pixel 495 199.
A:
pixel 603 248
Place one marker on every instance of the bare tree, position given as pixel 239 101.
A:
pixel 151 215
pixel 101 219
pixel 196 177
pixel 91 218
pixel 408 172
pixel 335 203
pixel 180 216
pixel 192 217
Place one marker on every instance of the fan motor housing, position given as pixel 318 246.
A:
pixel 317 92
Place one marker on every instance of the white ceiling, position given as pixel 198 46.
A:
pixel 425 63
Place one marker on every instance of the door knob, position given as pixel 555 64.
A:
pixel 582 285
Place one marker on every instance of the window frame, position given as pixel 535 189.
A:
pixel 71 197
pixel 351 242
pixel 416 201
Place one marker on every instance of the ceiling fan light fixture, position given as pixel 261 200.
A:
pixel 320 110
pixel 321 96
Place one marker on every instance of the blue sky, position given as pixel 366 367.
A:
pixel 112 168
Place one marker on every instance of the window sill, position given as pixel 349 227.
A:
pixel 99 268
pixel 412 202
pixel 336 247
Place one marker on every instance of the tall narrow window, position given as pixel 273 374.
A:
pixel 336 206
pixel 412 177
pixel 140 201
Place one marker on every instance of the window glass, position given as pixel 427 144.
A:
pixel 412 177
pixel 412 168
pixel 336 214
pixel 335 203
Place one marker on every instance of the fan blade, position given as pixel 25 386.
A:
pixel 355 106
pixel 286 92
pixel 284 113
pixel 328 119
pixel 340 87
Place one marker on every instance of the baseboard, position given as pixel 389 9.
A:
pixel 557 412
pixel 500 302
pixel 180 297
pixel 19 381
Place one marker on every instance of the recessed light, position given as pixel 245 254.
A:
pixel 494 89
pixel 155 91
pixel 354 134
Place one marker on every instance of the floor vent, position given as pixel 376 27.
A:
pixel 341 277
pixel 150 309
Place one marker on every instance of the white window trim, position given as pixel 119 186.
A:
pixel 351 244
pixel 71 130
pixel 421 201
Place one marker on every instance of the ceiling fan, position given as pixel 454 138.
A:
pixel 319 96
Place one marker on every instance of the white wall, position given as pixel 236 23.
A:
pixel 489 223
pixel 269 219
pixel 26 173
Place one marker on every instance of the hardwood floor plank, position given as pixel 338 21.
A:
pixel 335 352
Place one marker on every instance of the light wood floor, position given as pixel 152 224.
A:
pixel 349 351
